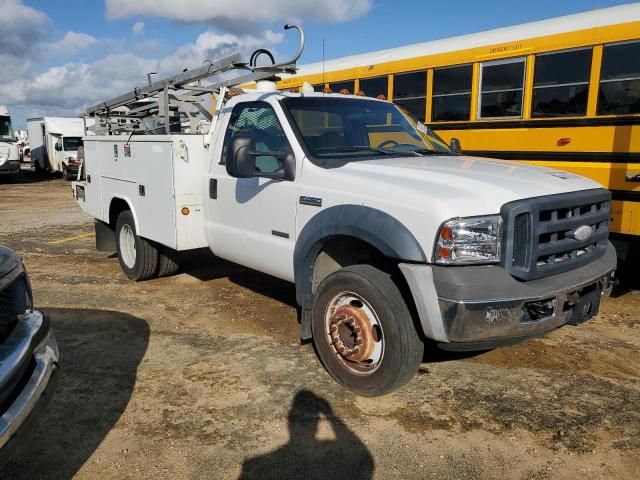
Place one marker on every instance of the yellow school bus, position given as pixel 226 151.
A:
pixel 562 93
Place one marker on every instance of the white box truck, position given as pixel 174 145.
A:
pixel 9 152
pixel 54 143
pixel 389 238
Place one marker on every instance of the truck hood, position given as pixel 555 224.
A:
pixel 466 185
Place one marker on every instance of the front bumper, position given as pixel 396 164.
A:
pixel 10 167
pixel 479 307
pixel 28 366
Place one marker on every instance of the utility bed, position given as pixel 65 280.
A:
pixel 158 176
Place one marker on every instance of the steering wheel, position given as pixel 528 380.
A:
pixel 388 143
pixel 394 144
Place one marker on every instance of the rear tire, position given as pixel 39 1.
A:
pixel 138 257
pixel 167 262
pixel 368 311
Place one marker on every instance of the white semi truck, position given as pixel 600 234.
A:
pixel 54 143
pixel 392 241
pixel 9 152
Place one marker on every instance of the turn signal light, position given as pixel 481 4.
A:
pixel 185 211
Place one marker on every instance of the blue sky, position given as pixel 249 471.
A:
pixel 63 55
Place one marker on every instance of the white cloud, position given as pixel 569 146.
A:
pixel 21 27
pixel 71 42
pixel 68 89
pixel 221 13
pixel 138 28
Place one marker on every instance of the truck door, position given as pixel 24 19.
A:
pixel 251 221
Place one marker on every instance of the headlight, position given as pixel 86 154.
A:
pixel 469 240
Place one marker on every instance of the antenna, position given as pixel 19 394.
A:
pixel 323 82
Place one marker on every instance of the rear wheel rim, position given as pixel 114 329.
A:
pixel 127 246
pixel 354 333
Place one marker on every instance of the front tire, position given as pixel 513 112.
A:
pixel 363 331
pixel 138 257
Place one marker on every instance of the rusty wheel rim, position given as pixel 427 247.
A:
pixel 354 333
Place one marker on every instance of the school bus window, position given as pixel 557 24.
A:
pixel 318 87
pixel 375 87
pixel 410 92
pixel 620 79
pixel 501 87
pixel 452 93
pixel 561 83
pixel 342 87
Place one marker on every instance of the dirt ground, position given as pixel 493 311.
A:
pixel 202 376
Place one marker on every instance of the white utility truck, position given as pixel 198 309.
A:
pixel 54 143
pixel 9 151
pixel 392 241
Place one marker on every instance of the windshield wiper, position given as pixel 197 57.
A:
pixel 358 148
pixel 428 151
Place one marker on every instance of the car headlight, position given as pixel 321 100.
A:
pixel 469 240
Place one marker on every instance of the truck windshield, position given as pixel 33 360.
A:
pixel 350 128
pixel 6 130
pixel 71 144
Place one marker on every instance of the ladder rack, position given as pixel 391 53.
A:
pixel 175 104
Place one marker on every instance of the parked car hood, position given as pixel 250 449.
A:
pixel 9 260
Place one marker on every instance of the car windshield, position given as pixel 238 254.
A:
pixel 6 130
pixel 351 128
pixel 71 144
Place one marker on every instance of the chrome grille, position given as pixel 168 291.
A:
pixel 543 238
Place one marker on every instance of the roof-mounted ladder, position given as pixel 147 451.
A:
pixel 170 101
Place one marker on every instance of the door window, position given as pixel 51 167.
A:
pixel 258 120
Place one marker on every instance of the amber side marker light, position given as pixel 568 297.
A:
pixel 185 211
pixel 563 141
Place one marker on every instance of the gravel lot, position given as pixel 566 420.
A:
pixel 201 375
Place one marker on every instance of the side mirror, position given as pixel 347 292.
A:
pixel 455 146
pixel 241 159
pixel 240 162
pixel 59 146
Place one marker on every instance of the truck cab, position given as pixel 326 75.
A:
pixel 66 155
pixel 9 152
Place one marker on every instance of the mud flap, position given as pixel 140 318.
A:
pixel 105 237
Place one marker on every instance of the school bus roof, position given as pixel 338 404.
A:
pixel 581 21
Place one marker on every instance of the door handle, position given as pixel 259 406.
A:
pixel 632 177
pixel 213 188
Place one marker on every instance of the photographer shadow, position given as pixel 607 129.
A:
pixel 306 457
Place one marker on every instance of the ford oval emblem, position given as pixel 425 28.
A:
pixel 582 233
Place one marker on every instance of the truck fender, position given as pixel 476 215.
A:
pixel 129 203
pixel 373 226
